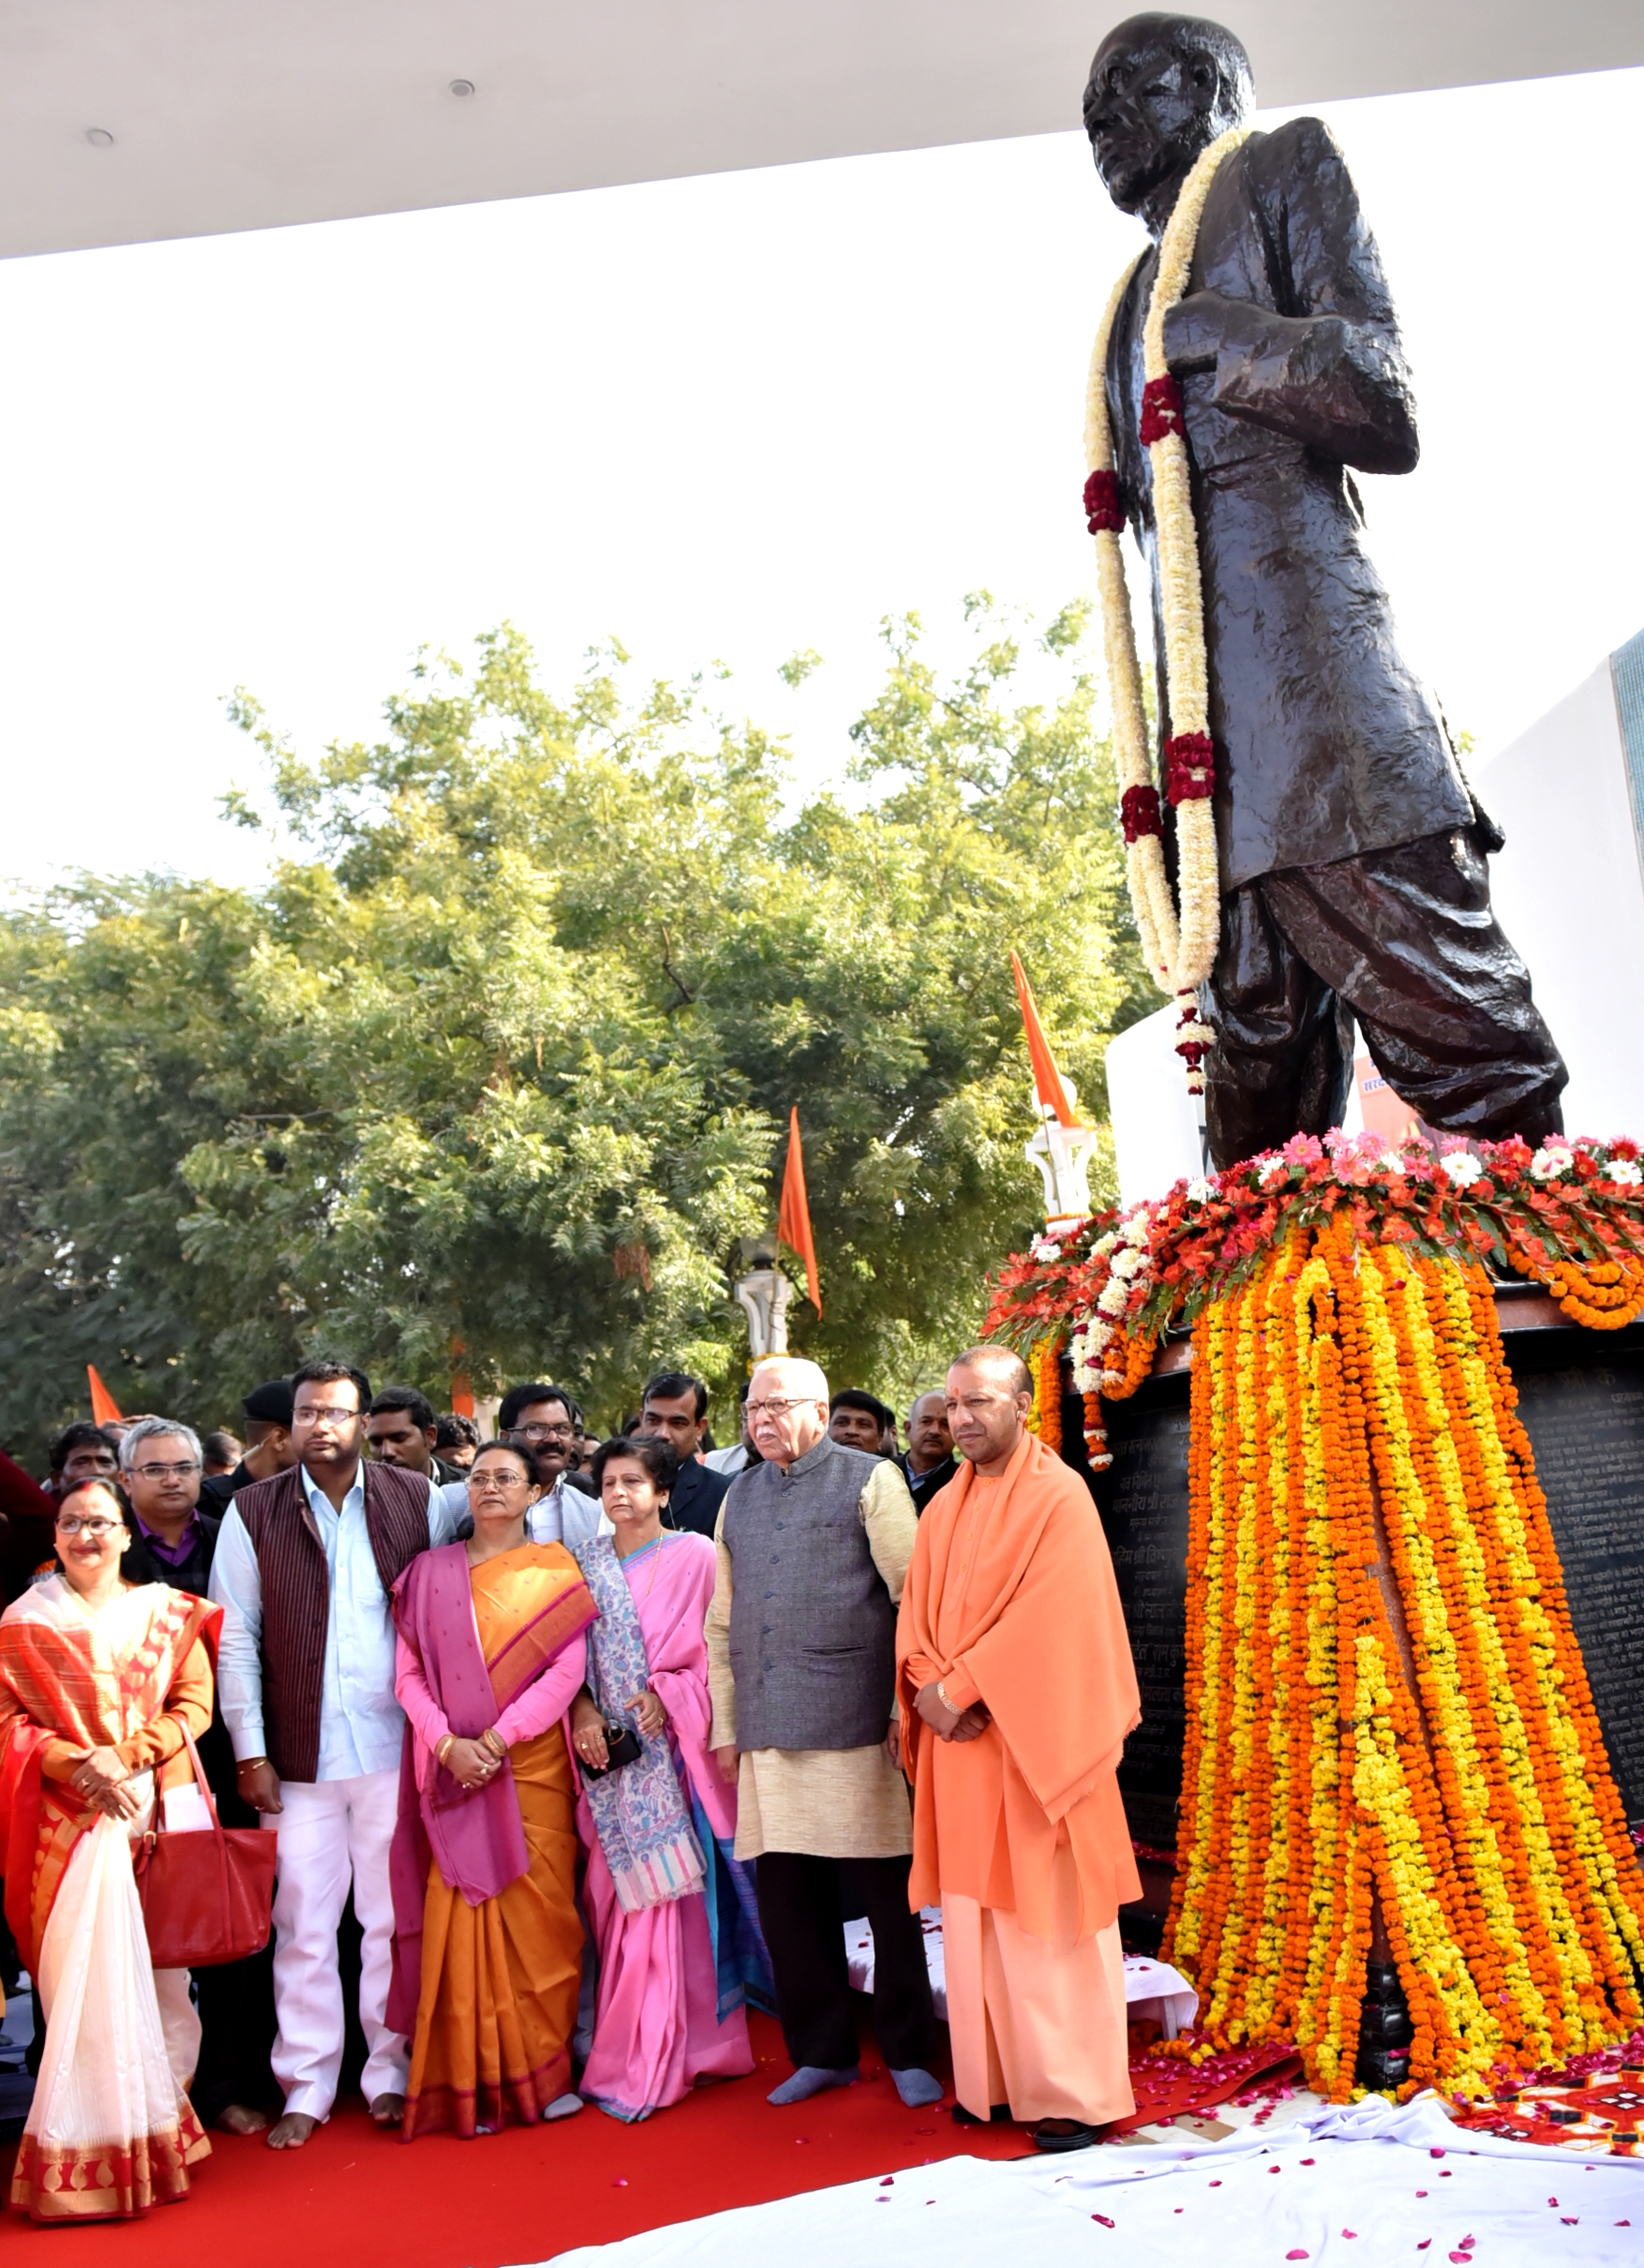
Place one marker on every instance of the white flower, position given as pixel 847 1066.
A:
pixel 1391 1161
pixel 1627 1171
pixel 1551 1161
pixel 1044 1250
pixel 1272 1170
pixel 1097 1333
pixel 1461 1165
pixel 1104 1245
pixel 1139 1228
pixel 1129 1262
pixel 1200 1192
pixel 1113 1296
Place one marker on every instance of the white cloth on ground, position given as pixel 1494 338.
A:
pixel 1410 2185
pixel 1152 1987
pixel 328 1831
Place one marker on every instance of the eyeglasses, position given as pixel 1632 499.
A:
pixel 75 1526
pixel 542 1433
pixel 167 1472
pixel 776 1409
pixel 481 1483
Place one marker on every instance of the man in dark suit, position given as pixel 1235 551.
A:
pixel 674 1407
pixel 1352 856
pixel 929 1463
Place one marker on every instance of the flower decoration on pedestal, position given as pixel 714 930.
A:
pixel 1386 1699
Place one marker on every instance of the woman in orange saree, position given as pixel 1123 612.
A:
pixel 97 1680
pixel 487 1938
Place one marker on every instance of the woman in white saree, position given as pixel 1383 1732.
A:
pixel 97 1680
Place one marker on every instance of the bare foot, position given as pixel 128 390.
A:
pixel 291 2131
pixel 239 2118
pixel 388 2110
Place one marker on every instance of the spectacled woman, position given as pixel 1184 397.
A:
pixel 99 1677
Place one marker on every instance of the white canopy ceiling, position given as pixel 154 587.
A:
pixel 122 120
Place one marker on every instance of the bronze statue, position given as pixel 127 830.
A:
pixel 1352 854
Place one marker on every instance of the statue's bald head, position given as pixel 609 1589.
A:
pixel 1162 89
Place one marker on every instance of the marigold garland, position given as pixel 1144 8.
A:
pixel 1046 1419
pixel 1386 1699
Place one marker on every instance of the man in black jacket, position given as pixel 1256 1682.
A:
pixel 1353 858
pixel 268 1445
pixel 929 1463
pixel 674 1407
pixel 173 1540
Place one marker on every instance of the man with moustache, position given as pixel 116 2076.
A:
pixel 304 1564
pixel 812 1546
pixel 928 1463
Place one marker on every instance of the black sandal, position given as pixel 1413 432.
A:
pixel 1062 2134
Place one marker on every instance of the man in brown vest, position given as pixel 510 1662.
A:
pixel 305 1562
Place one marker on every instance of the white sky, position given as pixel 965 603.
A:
pixel 730 418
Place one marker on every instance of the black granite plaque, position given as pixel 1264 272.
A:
pixel 1144 1500
pixel 1581 1396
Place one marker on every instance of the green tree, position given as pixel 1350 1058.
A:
pixel 501 1058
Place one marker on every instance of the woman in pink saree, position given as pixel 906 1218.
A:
pixel 671 1911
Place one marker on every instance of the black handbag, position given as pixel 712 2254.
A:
pixel 623 1746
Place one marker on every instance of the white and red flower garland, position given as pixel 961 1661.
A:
pixel 1179 940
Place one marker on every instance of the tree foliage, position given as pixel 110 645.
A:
pixel 501 1056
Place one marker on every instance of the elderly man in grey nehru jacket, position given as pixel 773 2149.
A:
pixel 812 1546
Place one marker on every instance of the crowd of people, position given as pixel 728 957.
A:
pixel 571 1750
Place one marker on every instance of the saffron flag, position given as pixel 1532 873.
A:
pixel 793 1219
pixel 1046 1078
pixel 104 1410
pixel 461 1384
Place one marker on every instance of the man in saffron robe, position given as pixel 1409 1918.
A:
pixel 1017 1689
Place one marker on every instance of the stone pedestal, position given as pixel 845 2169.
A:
pixel 1582 1397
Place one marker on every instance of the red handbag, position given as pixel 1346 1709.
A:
pixel 207 1898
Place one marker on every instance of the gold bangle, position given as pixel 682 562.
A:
pixel 443 1747
pixel 490 1738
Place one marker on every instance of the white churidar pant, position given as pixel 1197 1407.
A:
pixel 331 1831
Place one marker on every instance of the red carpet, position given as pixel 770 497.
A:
pixel 354 2197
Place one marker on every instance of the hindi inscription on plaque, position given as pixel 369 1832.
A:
pixel 1144 1501
pixel 1581 1396
pixel 1582 1403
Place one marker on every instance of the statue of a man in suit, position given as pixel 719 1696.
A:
pixel 1352 856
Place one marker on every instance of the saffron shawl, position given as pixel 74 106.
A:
pixel 1046 1647
pixel 474 1835
pixel 71 1679
pixel 639 1812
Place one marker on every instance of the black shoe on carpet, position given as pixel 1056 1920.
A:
pixel 1061 2134
pixel 998 2115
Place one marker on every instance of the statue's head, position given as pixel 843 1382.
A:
pixel 1160 90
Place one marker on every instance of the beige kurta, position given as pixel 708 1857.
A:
pixel 831 1802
